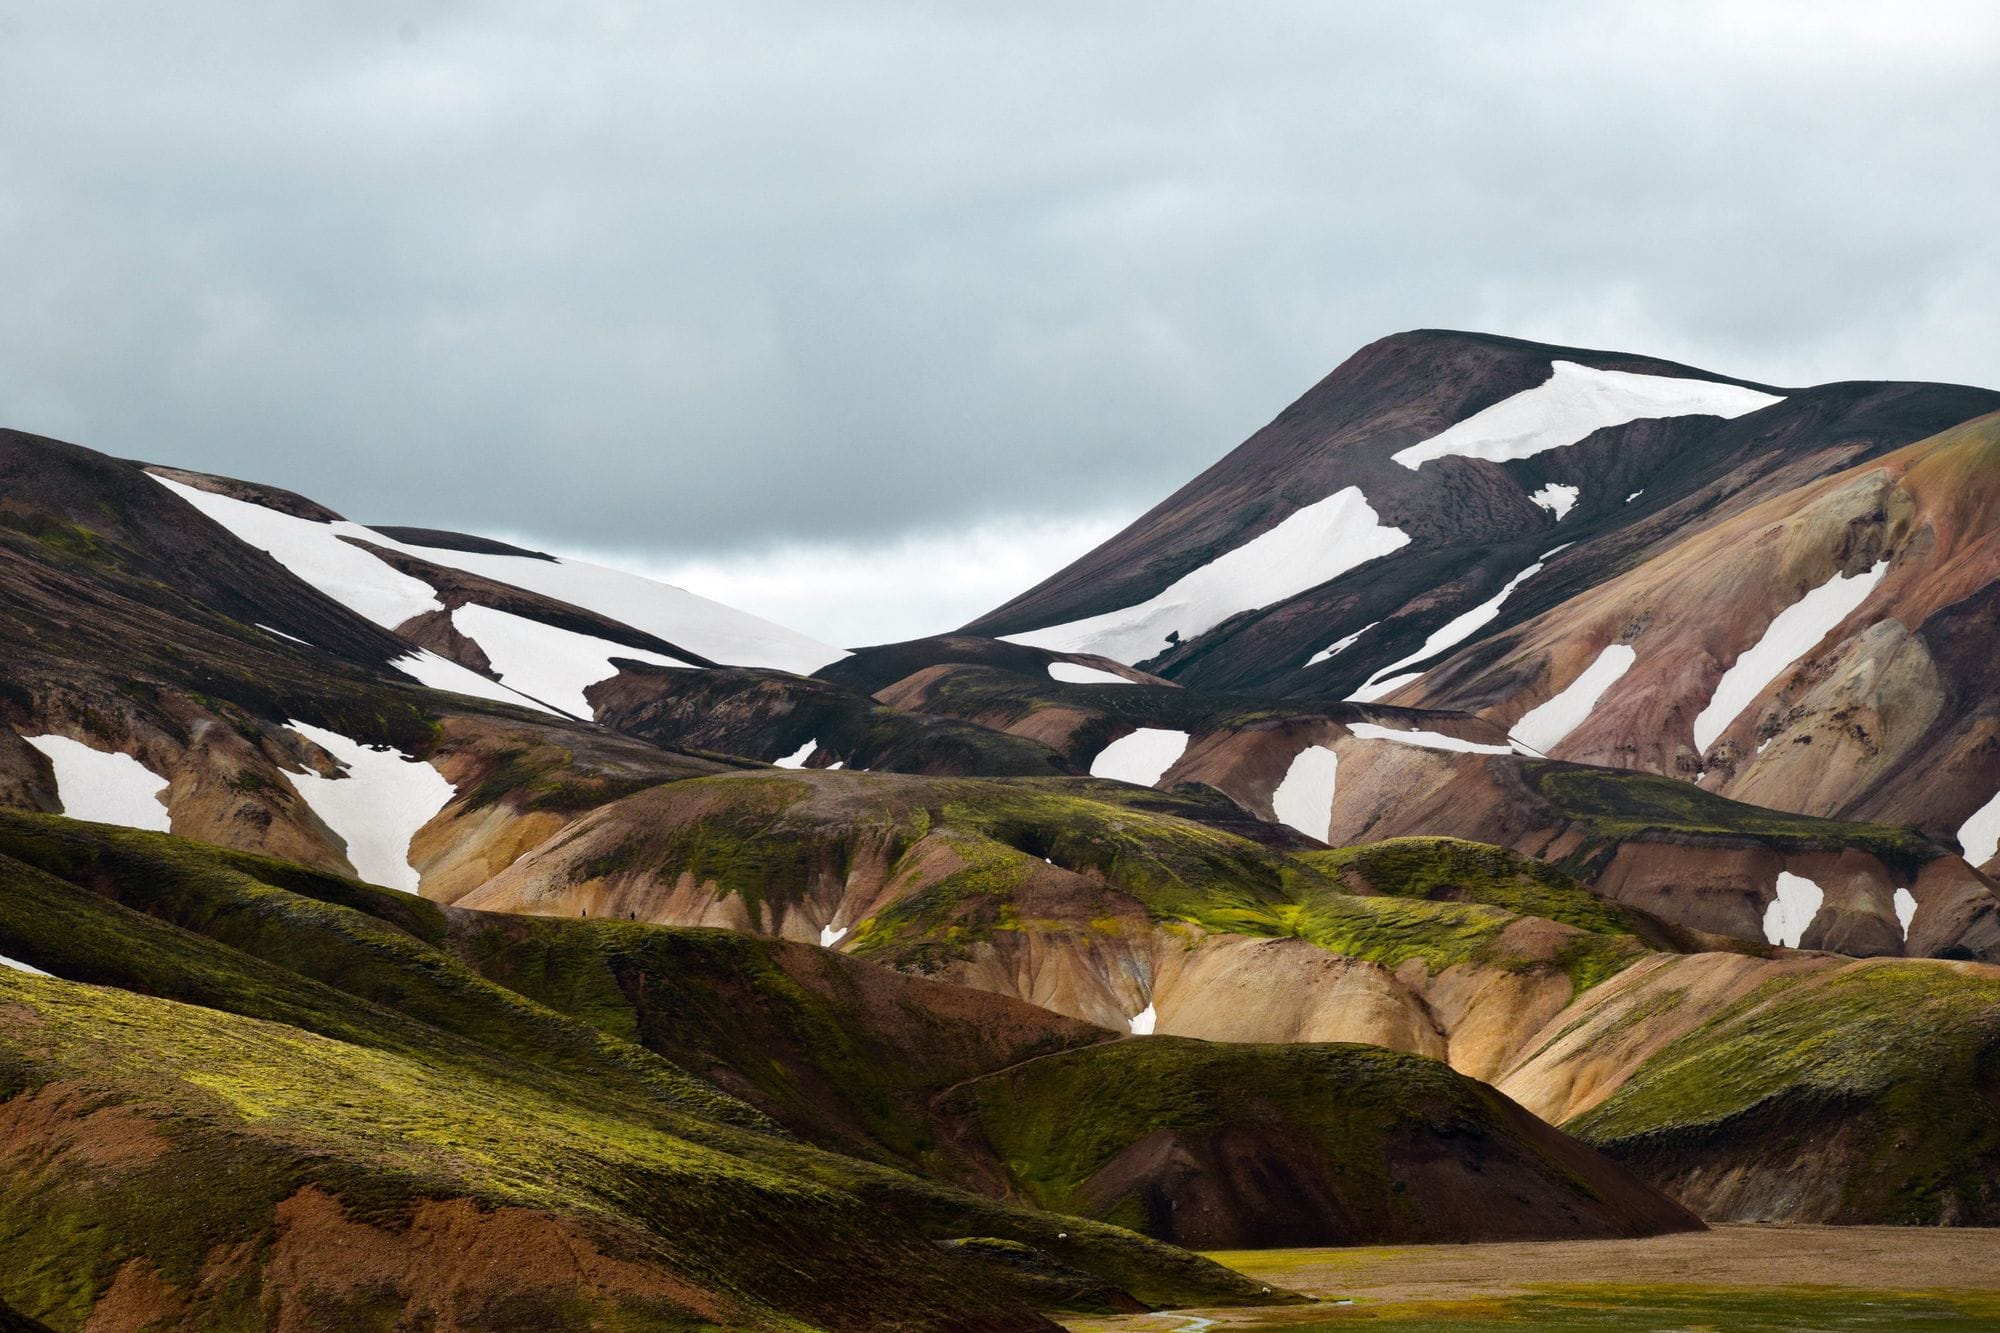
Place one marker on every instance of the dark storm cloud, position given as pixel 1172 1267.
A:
pixel 681 278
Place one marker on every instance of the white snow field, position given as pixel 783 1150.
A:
pixel 828 936
pixel 105 787
pixel 1339 646
pixel 1304 800
pixel 1797 903
pixel 1142 1022
pixel 551 664
pixel 1429 740
pixel 1635 495
pixel 1573 402
pixel 1979 835
pixel 1319 542
pixel 441 673
pixel 1140 758
pixel 798 757
pixel 1076 673
pixel 20 966
pixel 1454 631
pixel 315 553
pixel 1906 910
pixel 376 808
pixel 1557 498
pixel 1792 633
pixel 1543 727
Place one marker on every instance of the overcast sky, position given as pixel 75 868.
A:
pixel 865 315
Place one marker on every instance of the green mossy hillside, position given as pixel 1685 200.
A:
pixel 1872 1084
pixel 1210 1144
pixel 259 1040
pixel 1615 805
pixel 841 1052
pixel 966 862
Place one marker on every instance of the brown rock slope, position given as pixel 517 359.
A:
pixel 1887 714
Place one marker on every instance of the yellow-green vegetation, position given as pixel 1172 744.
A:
pixel 1115 1132
pixel 1615 806
pixel 1879 1075
pixel 966 847
pixel 270 1028
pixel 837 1053
pixel 1056 1124
pixel 1454 870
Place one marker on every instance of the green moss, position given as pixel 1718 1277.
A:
pixel 1904 1054
pixel 1452 869
pixel 1347 1117
pixel 1616 806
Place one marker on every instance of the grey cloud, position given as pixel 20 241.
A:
pixel 687 278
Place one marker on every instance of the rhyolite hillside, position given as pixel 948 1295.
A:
pixel 1523 792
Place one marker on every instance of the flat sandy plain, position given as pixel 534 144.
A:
pixel 1732 1279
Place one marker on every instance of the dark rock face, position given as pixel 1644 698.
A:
pixel 1471 524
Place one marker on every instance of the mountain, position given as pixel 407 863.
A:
pixel 1522 793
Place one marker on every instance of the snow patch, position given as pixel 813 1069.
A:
pixel 1573 402
pixel 105 787
pixel 20 966
pixel 1543 727
pixel 1635 495
pixel 376 807
pixel 1906 911
pixel 1557 499
pixel 828 936
pixel 1142 1022
pixel 551 664
pixel 1453 632
pixel 1141 758
pixel 1304 799
pixel 1792 633
pixel 798 757
pixel 281 634
pixel 1319 542
pixel 1076 673
pixel 441 673
pixel 1979 835
pixel 1429 740
pixel 1797 903
pixel 1377 689
pixel 1340 646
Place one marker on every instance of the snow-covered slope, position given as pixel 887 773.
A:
pixel 376 806
pixel 321 554
pixel 1572 403
pixel 1319 542
pixel 546 662
pixel 1791 635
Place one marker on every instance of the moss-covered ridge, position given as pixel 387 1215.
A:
pixel 951 864
pixel 1256 1145
pixel 1614 806
pixel 1869 1086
